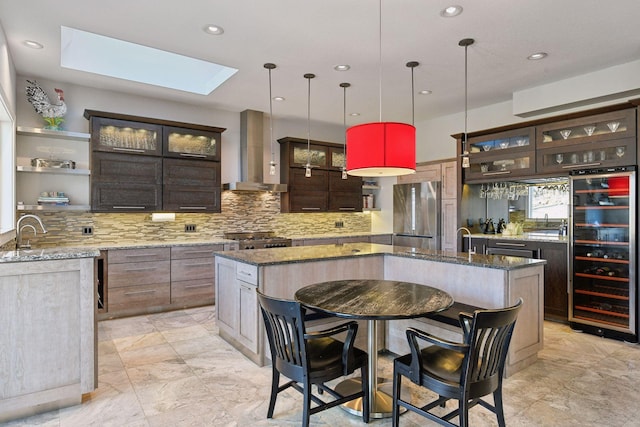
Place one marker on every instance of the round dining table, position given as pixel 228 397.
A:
pixel 372 300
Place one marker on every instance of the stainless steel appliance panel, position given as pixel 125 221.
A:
pixel 416 213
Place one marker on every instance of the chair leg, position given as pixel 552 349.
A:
pixel 463 412
pixel 275 382
pixel 497 400
pixel 306 392
pixel 397 384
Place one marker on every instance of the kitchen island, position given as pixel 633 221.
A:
pixel 48 343
pixel 480 280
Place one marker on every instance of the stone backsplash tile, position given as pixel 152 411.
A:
pixel 241 211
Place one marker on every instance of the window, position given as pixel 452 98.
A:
pixel 549 201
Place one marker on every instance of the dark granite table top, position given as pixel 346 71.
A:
pixel 374 299
pixel 275 256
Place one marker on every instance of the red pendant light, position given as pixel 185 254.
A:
pixel 382 148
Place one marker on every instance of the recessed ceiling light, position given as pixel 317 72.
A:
pixel 425 92
pixel 451 11
pixel 278 98
pixel 93 53
pixel 32 44
pixel 215 30
pixel 343 67
pixel 354 114
pixel 537 55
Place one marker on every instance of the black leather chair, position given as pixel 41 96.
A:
pixel 310 357
pixel 464 371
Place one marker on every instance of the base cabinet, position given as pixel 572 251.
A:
pixel 159 279
pixel 48 335
pixel 192 275
pixel 238 318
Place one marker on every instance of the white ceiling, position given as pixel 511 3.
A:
pixel 305 36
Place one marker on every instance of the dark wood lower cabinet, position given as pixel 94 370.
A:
pixel 556 276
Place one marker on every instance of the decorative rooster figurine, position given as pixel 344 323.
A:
pixel 53 114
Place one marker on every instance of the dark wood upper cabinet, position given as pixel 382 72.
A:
pixel 130 174
pixel 190 143
pixel 324 190
pixel 125 136
pixel 126 183
pixel 191 185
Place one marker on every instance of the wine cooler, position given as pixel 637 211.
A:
pixel 603 289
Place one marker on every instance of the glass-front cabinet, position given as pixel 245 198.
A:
pixel 191 143
pixel 501 155
pixel 603 297
pixel 588 142
pixel 124 136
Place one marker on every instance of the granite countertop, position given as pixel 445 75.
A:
pixel 22 255
pixel 529 236
pixel 274 256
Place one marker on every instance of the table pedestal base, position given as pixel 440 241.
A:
pixel 383 401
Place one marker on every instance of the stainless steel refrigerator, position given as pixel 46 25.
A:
pixel 416 215
pixel 603 297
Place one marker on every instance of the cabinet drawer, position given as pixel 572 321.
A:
pixel 188 269
pixel 193 292
pixel 139 273
pixel 204 251
pixel 137 255
pixel 139 296
pixel 247 273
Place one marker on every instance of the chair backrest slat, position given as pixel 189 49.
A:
pixel 488 339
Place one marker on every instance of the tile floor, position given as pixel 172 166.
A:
pixel 172 369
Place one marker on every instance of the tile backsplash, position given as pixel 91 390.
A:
pixel 241 211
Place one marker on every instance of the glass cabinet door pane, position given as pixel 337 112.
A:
pixel 315 156
pixel 128 137
pixel 178 142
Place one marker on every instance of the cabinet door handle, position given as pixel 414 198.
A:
pixel 496 173
pixel 520 245
pixel 346 209
pixel 310 209
pixel 128 150
pixel 128 207
pixel 150 291
pixel 198 286
pixel 141 269
pixel 200 252
pixel 583 165
pixel 198 264
pixel 193 207
pixel 139 255
pixel 199 156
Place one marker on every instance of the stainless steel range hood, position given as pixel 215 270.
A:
pixel 252 156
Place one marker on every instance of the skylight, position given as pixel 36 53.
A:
pixel 93 53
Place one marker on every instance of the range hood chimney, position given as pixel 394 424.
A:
pixel 252 156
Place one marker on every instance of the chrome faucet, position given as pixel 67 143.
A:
pixel 471 249
pixel 19 244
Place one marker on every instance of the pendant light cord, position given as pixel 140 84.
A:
pixel 344 87
pixel 466 43
pixel 270 67
pixel 380 59
pixel 309 76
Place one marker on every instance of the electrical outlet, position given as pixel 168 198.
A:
pixel 87 231
pixel 189 228
pixel 339 224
